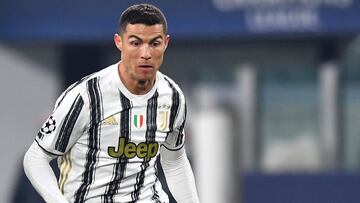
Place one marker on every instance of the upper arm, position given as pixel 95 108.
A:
pixel 66 123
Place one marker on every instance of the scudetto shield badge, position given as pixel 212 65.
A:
pixel 138 120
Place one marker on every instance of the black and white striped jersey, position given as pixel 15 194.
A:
pixel 108 139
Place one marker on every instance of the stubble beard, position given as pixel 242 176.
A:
pixel 141 83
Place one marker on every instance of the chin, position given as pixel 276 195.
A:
pixel 147 76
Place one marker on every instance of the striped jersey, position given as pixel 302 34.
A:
pixel 107 139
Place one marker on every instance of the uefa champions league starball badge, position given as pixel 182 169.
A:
pixel 49 126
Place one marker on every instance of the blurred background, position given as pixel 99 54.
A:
pixel 273 88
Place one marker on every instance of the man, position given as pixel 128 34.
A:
pixel 108 129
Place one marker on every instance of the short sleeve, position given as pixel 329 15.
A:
pixel 176 137
pixel 66 123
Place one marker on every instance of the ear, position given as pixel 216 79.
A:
pixel 118 41
pixel 167 41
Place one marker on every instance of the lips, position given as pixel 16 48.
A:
pixel 145 66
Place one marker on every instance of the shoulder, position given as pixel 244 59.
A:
pixel 167 83
pixel 80 87
pixel 173 94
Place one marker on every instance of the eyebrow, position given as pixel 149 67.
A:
pixel 151 40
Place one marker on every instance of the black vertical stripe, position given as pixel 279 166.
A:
pixel 119 168
pixel 96 112
pixel 175 105
pixel 68 124
pixel 151 112
pixel 180 138
pixel 155 196
pixel 151 127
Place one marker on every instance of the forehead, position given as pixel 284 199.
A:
pixel 144 31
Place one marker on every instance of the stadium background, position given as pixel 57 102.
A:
pixel 273 89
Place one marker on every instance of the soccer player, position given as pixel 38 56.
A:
pixel 108 129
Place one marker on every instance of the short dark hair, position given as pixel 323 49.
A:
pixel 142 14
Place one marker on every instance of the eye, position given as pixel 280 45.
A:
pixel 156 43
pixel 135 43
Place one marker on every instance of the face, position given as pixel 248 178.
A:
pixel 142 50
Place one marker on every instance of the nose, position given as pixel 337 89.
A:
pixel 145 53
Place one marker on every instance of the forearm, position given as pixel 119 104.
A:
pixel 41 175
pixel 179 175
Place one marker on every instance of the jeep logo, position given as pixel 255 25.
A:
pixel 130 150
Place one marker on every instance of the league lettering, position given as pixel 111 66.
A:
pixel 130 150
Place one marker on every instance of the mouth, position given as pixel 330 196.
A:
pixel 145 66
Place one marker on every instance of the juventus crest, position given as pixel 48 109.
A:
pixel 163 117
